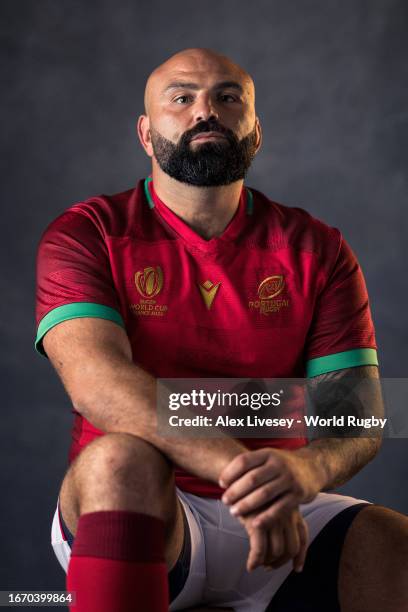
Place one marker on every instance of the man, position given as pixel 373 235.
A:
pixel 168 280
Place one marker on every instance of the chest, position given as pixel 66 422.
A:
pixel 232 311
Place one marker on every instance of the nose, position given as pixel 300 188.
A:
pixel 204 109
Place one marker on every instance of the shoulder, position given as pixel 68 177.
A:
pixel 105 216
pixel 294 227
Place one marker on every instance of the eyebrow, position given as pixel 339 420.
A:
pixel 188 85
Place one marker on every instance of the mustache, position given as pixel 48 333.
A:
pixel 207 126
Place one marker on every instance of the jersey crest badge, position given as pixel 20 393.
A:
pixel 271 287
pixel 268 291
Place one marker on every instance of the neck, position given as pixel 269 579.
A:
pixel 207 210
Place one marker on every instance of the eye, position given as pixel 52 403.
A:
pixel 181 99
pixel 230 97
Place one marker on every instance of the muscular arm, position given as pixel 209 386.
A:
pixel 274 481
pixel 338 459
pixel 94 361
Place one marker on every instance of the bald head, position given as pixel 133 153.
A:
pixel 189 62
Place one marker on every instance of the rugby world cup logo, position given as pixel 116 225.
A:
pixel 149 281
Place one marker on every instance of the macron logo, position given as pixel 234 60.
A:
pixel 208 292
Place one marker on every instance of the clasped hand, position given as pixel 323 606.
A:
pixel 264 489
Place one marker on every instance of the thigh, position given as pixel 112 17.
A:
pixel 156 493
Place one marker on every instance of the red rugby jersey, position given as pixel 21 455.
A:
pixel 278 294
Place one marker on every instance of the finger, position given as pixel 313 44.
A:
pixel 258 544
pixel 279 509
pixel 288 544
pixel 248 482
pixel 292 538
pixel 241 464
pixel 299 560
pixel 261 496
pixel 275 544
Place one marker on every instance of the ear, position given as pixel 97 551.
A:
pixel 258 134
pixel 143 131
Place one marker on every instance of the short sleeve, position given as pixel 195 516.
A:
pixel 342 332
pixel 74 276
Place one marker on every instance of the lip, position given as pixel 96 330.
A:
pixel 208 136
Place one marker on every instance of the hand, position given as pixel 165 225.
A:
pixel 271 481
pixel 272 547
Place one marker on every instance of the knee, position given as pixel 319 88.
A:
pixel 384 535
pixel 120 460
pixel 395 529
pixel 388 530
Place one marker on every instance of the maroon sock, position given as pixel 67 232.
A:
pixel 117 563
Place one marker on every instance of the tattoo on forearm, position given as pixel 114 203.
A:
pixel 354 392
pixel 351 391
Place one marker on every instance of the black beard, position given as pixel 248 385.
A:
pixel 213 163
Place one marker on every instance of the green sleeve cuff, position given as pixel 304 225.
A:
pixel 74 311
pixel 339 361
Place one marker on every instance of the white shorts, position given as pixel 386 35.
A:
pixel 219 551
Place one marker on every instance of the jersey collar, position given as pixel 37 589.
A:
pixel 233 229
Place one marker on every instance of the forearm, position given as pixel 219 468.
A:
pixel 337 460
pixel 352 390
pixel 121 397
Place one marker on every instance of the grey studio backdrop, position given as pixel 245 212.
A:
pixel 331 94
